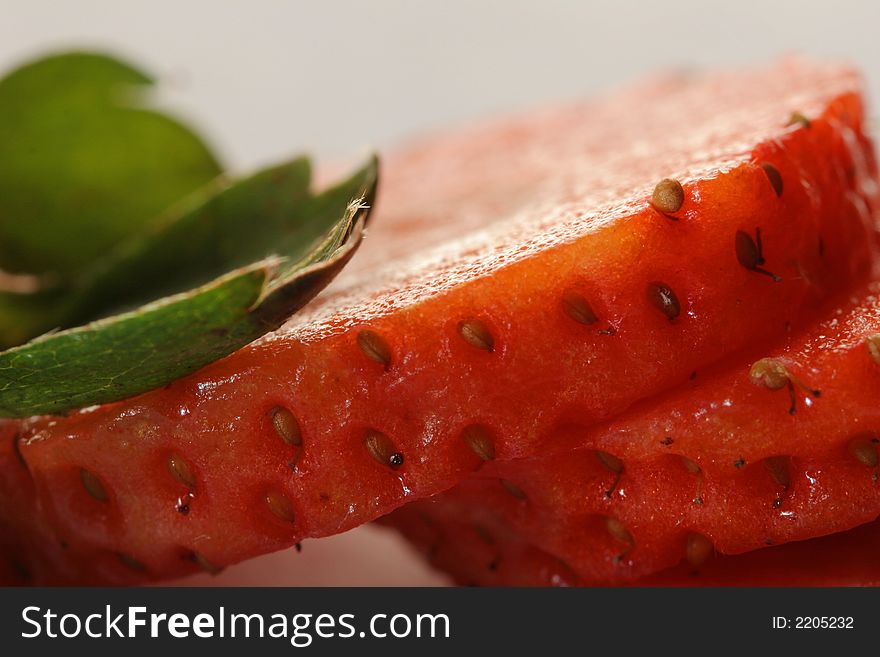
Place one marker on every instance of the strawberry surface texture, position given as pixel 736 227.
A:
pixel 724 464
pixel 531 291
pixel 475 556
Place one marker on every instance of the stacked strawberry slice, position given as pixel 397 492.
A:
pixel 726 463
pixel 598 345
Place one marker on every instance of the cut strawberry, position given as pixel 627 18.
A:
pixel 845 559
pixel 537 283
pixel 475 556
pixel 721 464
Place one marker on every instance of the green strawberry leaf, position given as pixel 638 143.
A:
pixel 84 163
pixel 211 232
pixel 302 240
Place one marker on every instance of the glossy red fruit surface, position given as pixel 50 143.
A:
pixel 518 281
pixel 474 556
pixel 725 464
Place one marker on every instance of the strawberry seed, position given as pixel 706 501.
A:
pixel 130 562
pixel 864 450
pixel 612 464
pixel 513 489
pixel 773 375
pixel 280 506
pixel 750 253
pixel 375 347
pixel 286 425
pixel 663 299
pixel 382 449
pixel 478 439
pixel 694 469
pixel 93 485
pixel 181 471
pixel 697 549
pixel 619 532
pixel 578 308
pixel 774 177
pixel 797 118
pixel 204 563
pixel 779 469
pixel 668 196
pixel 874 347
pixel 476 334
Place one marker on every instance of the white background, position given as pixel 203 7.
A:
pixel 268 78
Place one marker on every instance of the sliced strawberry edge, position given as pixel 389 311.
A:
pixel 720 463
pixel 114 480
pixel 475 556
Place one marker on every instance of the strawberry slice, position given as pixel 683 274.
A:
pixel 782 446
pixel 541 275
pixel 475 556
pixel 472 554
pixel 845 559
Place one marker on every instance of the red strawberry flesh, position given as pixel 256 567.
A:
pixel 477 556
pixel 491 252
pixel 719 462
